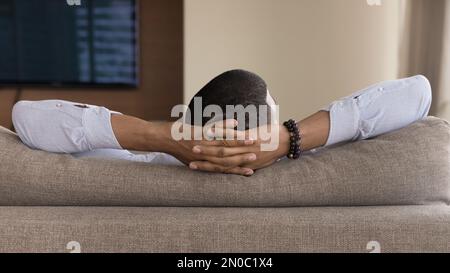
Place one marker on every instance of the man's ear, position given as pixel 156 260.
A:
pixel 269 99
pixel 272 104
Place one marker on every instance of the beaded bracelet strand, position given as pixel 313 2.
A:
pixel 295 139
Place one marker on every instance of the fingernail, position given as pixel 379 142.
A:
pixel 252 157
pixel 249 142
pixel 196 150
pixel 249 172
pixel 193 166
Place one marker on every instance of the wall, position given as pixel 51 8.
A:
pixel 309 51
pixel 161 61
pixel 443 108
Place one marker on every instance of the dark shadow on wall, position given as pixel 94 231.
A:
pixel 422 43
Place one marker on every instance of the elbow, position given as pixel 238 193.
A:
pixel 20 113
pixel 22 118
pixel 424 94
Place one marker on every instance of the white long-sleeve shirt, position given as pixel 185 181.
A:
pixel 85 130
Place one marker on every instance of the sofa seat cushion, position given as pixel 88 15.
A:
pixel 408 167
pixel 223 230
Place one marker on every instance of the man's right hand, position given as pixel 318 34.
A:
pixel 187 151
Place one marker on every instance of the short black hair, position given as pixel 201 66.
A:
pixel 235 87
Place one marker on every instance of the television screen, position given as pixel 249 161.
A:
pixel 87 42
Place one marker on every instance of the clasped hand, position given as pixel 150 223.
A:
pixel 240 155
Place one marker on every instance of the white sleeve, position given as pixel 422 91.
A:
pixel 63 127
pixel 379 109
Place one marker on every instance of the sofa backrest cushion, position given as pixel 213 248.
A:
pixel 408 167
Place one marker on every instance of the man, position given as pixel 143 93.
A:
pixel 92 131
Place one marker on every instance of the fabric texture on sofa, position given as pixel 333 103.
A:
pixel 407 167
pixel 394 229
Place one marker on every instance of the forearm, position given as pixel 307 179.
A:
pixel 315 130
pixel 140 135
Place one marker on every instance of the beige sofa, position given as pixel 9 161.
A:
pixel 389 194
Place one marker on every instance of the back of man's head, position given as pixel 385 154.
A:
pixel 233 88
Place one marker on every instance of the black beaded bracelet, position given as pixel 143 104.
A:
pixel 295 139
